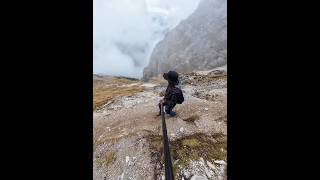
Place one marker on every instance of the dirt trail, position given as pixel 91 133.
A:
pixel 122 147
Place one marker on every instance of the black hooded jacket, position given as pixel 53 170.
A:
pixel 170 96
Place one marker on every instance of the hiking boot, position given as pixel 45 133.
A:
pixel 172 113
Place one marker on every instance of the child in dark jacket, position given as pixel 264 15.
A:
pixel 172 95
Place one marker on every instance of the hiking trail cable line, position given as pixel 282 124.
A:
pixel 166 149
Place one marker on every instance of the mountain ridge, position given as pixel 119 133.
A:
pixel 197 43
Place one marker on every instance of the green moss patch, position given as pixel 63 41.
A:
pixel 187 149
pixel 108 159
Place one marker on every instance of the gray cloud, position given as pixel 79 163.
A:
pixel 126 31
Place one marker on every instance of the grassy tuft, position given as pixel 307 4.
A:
pixel 192 118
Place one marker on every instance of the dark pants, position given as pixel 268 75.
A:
pixel 168 106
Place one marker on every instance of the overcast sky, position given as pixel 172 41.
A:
pixel 126 31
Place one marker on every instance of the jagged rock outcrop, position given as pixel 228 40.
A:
pixel 197 43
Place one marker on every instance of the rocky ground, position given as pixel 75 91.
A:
pixel 127 134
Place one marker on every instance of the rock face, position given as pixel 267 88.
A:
pixel 197 43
